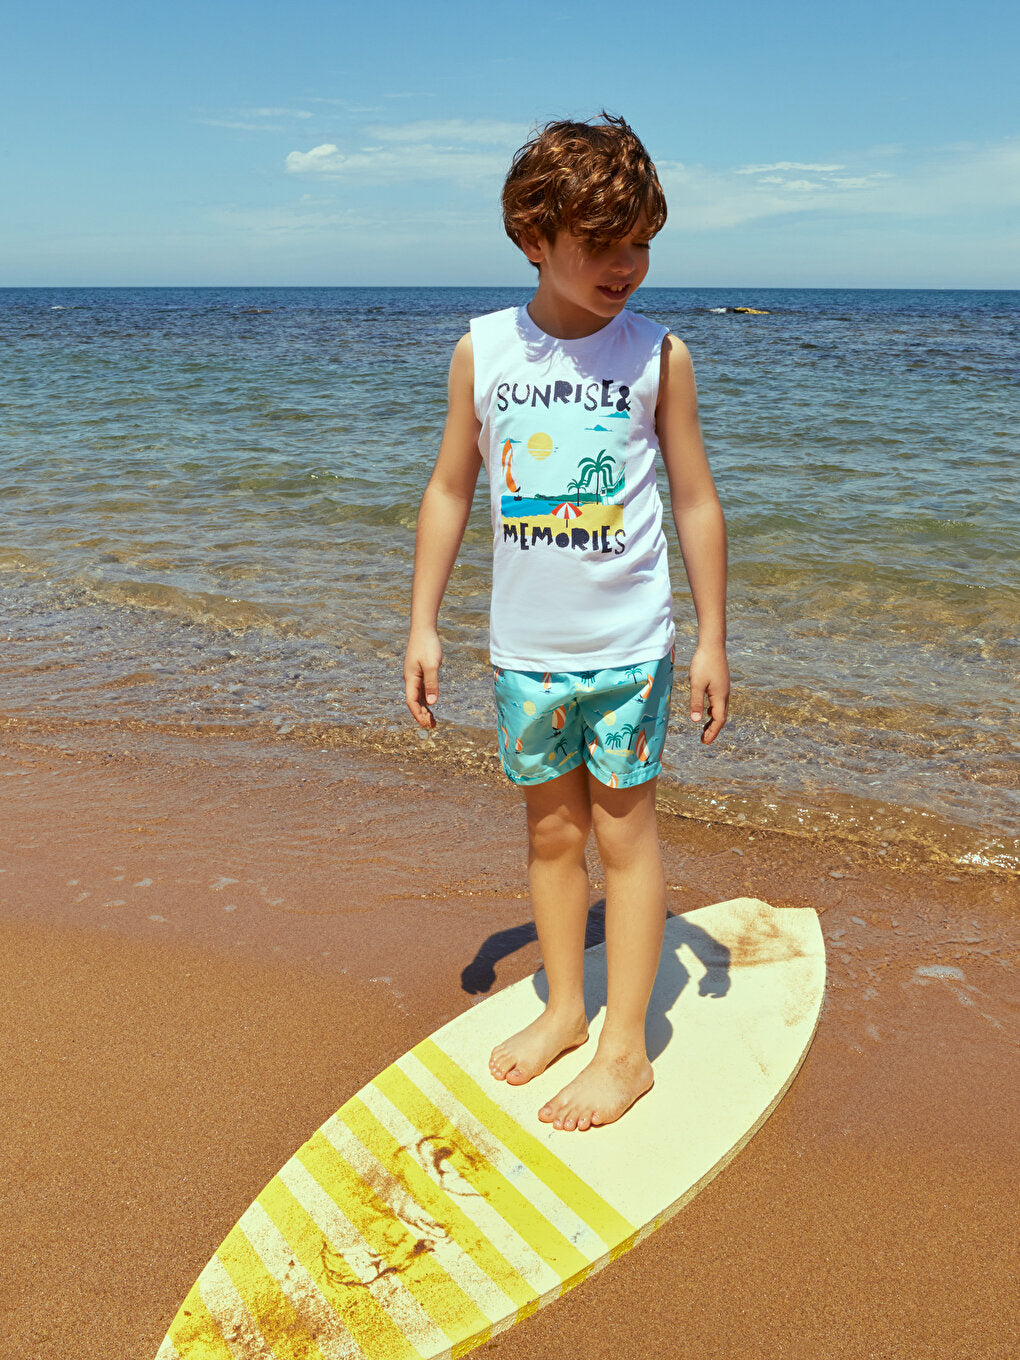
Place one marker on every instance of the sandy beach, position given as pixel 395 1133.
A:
pixel 208 946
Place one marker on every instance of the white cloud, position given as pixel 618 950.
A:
pixel 243 127
pixel 783 165
pixel 305 219
pixel 795 184
pixel 343 104
pixel 452 148
pixel 958 179
pixel 318 160
pixel 276 113
pixel 242 120
pixel 452 131
pixel 858 181
pixel 311 218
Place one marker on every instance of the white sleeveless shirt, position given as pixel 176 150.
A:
pixel 580 579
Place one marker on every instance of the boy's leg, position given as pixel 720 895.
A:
pixel 559 823
pixel 628 840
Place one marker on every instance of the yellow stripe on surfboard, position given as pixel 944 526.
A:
pixel 576 1193
pixel 369 1323
pixel 473 1165
pixel 398 1247
pixel 398 1161
pixel 194 1332
pixel 276 1316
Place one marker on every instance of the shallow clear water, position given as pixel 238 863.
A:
pixel 210 498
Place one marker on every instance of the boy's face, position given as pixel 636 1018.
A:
pixel 596 280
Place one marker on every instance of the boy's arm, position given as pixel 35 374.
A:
pixel 700 528
pixel 442 518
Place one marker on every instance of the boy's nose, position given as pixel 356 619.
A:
pixel 624 259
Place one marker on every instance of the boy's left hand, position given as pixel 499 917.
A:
pixel 710 676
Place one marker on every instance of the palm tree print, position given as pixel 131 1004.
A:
pixel 561 745
pixel 601 467
pixel 613 740
pixel 628 730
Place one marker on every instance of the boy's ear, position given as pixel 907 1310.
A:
pixel 534 248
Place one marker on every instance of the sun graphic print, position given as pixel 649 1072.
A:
pixel 540 445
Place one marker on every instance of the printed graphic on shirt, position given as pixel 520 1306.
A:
pixel 567 491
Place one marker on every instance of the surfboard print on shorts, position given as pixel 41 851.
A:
pixel 435 1210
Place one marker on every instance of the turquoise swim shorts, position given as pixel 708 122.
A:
pixel 614 720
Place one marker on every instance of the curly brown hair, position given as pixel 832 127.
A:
pixel 594 179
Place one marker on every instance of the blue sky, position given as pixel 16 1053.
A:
pixel 314 143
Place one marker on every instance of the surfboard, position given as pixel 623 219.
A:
pixel 435 1210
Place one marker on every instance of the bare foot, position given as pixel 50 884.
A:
pixel 605 1090
pixel 530 1052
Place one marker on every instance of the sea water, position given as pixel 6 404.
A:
pixel 209 507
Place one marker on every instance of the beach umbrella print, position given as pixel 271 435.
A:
pixel 567 510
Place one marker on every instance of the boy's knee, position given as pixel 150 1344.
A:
pixel 621 839
pixel 554 835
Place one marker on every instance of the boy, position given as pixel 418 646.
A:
pixel 567 401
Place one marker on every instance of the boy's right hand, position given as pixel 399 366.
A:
pixel 422 660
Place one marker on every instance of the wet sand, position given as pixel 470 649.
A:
pixel 208 946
